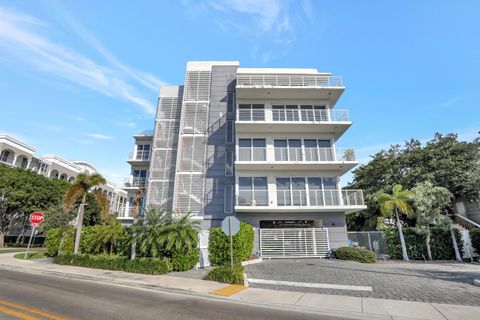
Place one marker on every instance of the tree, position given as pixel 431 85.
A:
pixel 397 202
pixel 181 234
pixel 444 160
pixel 56 217
pixel 148 233
pixel 81 187
pixel 108 234
pixel 23 192
pixel 430 203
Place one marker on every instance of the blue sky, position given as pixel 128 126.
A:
pixel 79 78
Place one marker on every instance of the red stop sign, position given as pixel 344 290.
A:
pixel 36 218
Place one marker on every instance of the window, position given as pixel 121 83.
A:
pixel 139 178
pixel 251 112
pixel 230 101
pixel 229 133
pixel 42 167
pixel 253 191
pixel 228 203
pixel 143 152
pixel 321 191
pixel 229 163
pixel 252 150
pixel 291 191
pixel 4 155
pixel 305 113
pixel 24 163
pixel 288 150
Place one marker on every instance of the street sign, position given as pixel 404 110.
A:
pixel 230 226
pixel 36 218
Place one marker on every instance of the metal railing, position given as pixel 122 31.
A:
pixel 293 115
pixel 139 155
pixel 136 182
pixel 352 197
pixel 266 80
pixel 252 198
pixel 252 154
pixel 370 240
pixel 465 222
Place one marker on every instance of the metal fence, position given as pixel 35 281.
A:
pixel 370 240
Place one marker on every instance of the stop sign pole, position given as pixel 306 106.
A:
pixel 35 219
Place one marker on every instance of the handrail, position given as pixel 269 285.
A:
pixel 466 223
pixel 272 80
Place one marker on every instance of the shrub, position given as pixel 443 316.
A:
pixel 225 274
pixel 184 261
pixel 440 243
pixel 114 262
pixel 59 239
pixel 355 254
pixel 219 245
pixel 475 238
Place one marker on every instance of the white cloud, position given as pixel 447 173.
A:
pixel 452 101
pixel 23 39
pixel 76 118
pixel 100 136
pixel 127 124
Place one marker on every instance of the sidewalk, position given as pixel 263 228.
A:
pixel 335 305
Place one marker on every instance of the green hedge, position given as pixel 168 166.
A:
pixel 184 261
pixel 118 263
pixel 355 254
pixel 59 239
pixel 219 245
pixel 475 238
pixel 415 240
pixel 225 274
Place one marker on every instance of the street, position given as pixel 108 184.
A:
pixel 35 296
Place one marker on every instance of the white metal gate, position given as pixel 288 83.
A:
pixel 294 243
pixel 203 237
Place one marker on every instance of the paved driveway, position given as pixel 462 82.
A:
pixel 441 283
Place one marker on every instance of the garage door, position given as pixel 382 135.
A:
pixel 294 243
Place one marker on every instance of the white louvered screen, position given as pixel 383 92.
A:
pixel 294 243
pixel 197 86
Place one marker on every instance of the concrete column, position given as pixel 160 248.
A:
pixel 15 157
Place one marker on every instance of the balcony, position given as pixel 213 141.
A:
pixel 295 159
pixel 139 157
pixel 135 182
pixel 329 121
pixel 332 200
pixel 289 86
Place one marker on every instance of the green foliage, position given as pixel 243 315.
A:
pixel 59 239
pixel 475 238
pixel 56 217
pixel 355 254
pixel 30 255
pixel 92 213
pixel 444 160
pixel 225 274
pixel 219 245
pixel 118 263
pixel 184 261
pixel 430 203
pixel 415 239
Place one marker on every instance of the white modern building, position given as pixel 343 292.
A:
pixel 260 144
pixel 15 153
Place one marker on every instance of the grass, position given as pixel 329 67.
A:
pixel 19 249
pixel 31 255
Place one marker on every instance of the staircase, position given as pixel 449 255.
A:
pixel 465 222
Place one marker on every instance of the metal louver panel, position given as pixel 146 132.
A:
pixel 197 85
pixel 294 242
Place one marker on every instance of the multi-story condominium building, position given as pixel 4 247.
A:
pixel 260 144
pixel 15 153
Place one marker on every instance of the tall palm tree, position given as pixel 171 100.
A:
pixel 84 184
pixel 397 202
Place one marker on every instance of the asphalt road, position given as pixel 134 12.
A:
pixel 34 296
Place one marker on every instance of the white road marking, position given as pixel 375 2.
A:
pixel 310 285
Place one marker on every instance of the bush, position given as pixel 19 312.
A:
pixel 440 243
pixel 225 274
pixel 355 254
pixel 118 263
pixel 475 238
pixel 184 261
pixel 219 245
pixel 60 239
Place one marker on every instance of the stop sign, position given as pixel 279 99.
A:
pixel 36 218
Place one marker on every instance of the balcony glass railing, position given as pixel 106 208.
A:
pixel 303 198
pixel 136 182
pixel 252 154
pixel 297 154
pixel 269 80
pixel 139 155
pixel 293 115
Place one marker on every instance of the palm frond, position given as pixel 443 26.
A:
pixel 74 192
pixel 102 201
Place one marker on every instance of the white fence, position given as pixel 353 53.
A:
pixel 370 240
pixel 294 243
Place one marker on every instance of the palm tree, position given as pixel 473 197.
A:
pixel 147 234
pixel 84 184
pixel 397 202
pixel 137 200
pixel 109 234
pixel 181 234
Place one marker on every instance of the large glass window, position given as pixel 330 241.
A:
pixel 252 150
pixel 291 191
pixel 253 191
pixel 315 192
pixel 139 178
pixel 251 112
pixel 331 192
pixel 230 101
pixel 299 113
pixel 284 197
pixel 4 155
pixel 229 133
pixel 288 150
pixel 143 152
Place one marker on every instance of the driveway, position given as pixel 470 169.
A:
pixel 440 282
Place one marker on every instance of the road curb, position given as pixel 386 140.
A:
pixel 476 282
